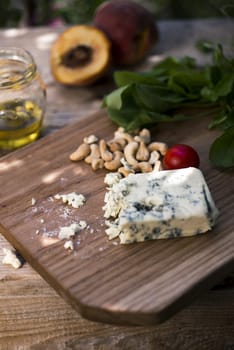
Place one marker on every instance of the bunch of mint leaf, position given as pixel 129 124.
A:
pixel 173 85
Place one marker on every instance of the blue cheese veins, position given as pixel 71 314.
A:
pixel 165 204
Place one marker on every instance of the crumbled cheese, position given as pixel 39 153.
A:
pixel 82 224
pixel 74 199
pixel 67 232
pixel 69 245
pixel 10 258
pixel 90 139
pixel 165 204
pixel 113 230
pixel 112 178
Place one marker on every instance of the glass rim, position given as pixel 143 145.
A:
pixel 21 55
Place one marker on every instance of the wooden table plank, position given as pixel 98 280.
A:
pixel 36 318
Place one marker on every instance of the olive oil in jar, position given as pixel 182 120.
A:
pixel 22 99
pixel 20 123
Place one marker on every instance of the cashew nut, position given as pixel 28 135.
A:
pixel 145 136
pixel 125 153
pixel 142 152
pixel 125 164
pixel 130 152
pixel 106 155
pixel 125 172
pixel 120 133
pixel 117 144
pixel 143 167
pixel 115 163
pixel 80 153
pixel 158 166
pixel 114 146
pixel 154 156
pixel 95 153
pixel 158 146
pixel 97 163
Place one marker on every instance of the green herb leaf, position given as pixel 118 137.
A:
pixel 224 119
pixel 123 78
pixel 222 150
pixel 223 87
pixel 172 64
pixel 115 98
pixel 218 120
pixel 206 46
pixel 155 96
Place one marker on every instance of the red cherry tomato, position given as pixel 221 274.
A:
pixel 180 156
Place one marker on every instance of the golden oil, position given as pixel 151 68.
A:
pixel 20 123
pixel 22 99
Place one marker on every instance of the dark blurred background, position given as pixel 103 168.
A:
pixel 18 13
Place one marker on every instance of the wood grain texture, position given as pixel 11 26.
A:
pixel 44 321
pixel 33 316
pixel 136 284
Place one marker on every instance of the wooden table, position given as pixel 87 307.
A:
pixel 32 315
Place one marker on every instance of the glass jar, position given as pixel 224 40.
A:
pixel 22 98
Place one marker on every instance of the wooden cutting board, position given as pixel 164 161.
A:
pixel 138 284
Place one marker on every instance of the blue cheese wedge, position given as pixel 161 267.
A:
pixel 156 205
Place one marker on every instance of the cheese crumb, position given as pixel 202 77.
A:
pixel 90 139
pixel 33 201
pixel 10 258
pixel 69 245
pixel 74 199
pixel 67 232
pixel 112 178
pixel 82 224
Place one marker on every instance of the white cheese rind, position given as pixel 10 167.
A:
pixel 165 204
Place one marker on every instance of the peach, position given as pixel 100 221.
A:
pixel 130 27
pixel 80 55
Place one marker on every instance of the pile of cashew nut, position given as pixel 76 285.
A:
pixel 126 153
